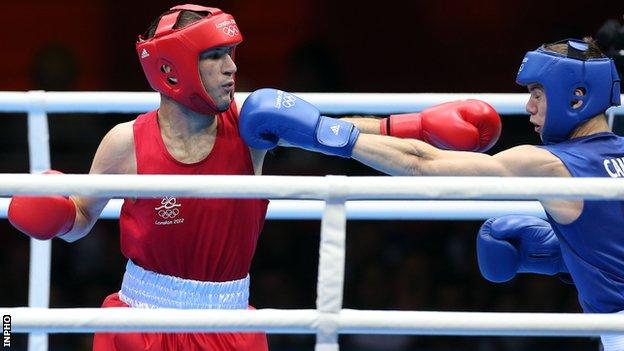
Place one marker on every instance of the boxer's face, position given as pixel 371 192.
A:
pixel 216 69
pixel 536 106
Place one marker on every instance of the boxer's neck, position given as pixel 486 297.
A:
pixel 188 136
pixel 176 120
pixel 594 125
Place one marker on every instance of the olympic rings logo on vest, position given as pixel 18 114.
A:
pixel 168 211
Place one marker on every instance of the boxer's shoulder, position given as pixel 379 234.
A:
pixel 120 138
pixel 122 131
pixel 116 153
pixel 531 161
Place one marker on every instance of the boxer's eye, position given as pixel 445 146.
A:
pixel 216 54
pixel 212 55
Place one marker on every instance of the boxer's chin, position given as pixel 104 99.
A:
pixel 224 105
pixel 224 101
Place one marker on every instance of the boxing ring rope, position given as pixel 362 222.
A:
pixel 38 103
pixel 328 103
pixel 374 210
pixel 89 320
pixel 327 188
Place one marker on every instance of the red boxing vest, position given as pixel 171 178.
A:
pixel 200 239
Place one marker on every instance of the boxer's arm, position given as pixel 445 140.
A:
pixel 257 159
pixel 257 155
pixel 115 155
pixel 413 157
pixel 366 124
pixel 409 157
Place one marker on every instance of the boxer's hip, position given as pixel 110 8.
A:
pixel 142 288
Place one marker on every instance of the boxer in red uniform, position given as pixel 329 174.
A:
pixel 196 253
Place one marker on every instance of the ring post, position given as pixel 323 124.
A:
pixel 40 251
pixel 331 264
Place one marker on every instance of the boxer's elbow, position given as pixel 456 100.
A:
pixel 85 220
pixel 72 236
pixel 417 159
pixel 411 165
pixel 404 165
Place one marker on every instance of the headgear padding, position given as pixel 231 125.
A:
pixel 560 76
pixel 170 58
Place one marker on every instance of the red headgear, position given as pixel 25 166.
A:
pixel 179 50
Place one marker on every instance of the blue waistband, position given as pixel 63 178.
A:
pixel 146 289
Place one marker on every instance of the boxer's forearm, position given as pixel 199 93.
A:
pixel 367 125
pixel 393 156
pixel 87 213
pixel 413 157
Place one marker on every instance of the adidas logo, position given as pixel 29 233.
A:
pixel 144 54
pixel 335 129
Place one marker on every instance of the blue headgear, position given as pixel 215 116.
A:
pixel 560 75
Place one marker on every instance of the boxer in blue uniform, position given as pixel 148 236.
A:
pixel 571 85
pixel 589 245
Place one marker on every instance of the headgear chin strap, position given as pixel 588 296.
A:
pixel 560 76
pixel 170 58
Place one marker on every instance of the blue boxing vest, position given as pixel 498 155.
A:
pixel 593 245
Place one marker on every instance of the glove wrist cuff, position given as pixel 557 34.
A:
pixel 336 137
pixel 384 126
pixel 406 125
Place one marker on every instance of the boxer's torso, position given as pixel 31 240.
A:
pixel 201 239
pixel 593 244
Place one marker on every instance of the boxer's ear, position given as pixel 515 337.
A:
pixel 578 103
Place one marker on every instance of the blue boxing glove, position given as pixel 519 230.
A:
pixel 270 115
pixel 517 244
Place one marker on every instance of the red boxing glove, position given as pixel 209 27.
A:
pixel 465 125
pixel 42 217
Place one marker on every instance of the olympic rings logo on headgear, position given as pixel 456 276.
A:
pixel 524 60
pixel 288 100
pixel 230 30
pixel 169 214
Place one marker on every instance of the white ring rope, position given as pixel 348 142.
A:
pixel 296 187
pixel 87 320
pixel 375 210
pixel 328 103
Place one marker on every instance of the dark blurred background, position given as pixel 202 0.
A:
pixel 303 46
